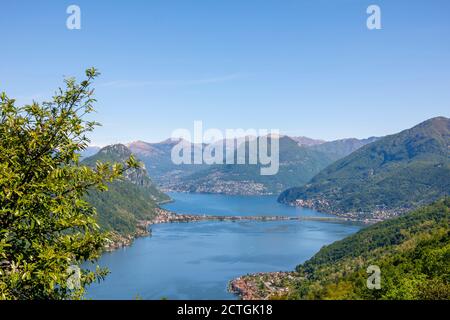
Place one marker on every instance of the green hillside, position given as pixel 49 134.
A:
pixel 391 175
pixel 157 159
pixel 300 159
pixel 412 252
pixel 128 201
pixel 297 165
pixel 338 149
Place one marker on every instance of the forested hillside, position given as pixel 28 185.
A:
pixel 128 201
pixel 412 252
pixel 390 176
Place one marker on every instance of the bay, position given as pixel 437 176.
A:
pixel 196 260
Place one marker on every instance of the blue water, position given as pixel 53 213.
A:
pixel 224 205
pixel 196 260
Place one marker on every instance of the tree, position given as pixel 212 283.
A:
pixel 47 229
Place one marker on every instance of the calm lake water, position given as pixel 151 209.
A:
pixel 196 260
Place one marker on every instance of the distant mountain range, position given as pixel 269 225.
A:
pixel 374 177
pixel 296 164
pixel 157 159
pixel 307 142
pixel 340 148
pixel 387 177
pixel 89 151
pixel 300 159
pixel 128 201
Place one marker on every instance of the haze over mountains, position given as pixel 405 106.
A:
pixel 307 142
pixel 369 178
pixel 387 177
pixel 157 159
pixel 300 159
pixel 89 151
pixel 295 164
pixel 340 148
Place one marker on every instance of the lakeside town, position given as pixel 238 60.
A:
pixel 263 285
pixel 322 205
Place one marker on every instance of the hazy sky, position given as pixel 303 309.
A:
pixel 305 67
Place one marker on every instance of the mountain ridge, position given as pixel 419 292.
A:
pixel 128 201
pixel 388 177
pixel 243 179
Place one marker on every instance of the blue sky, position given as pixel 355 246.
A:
pixel 305 67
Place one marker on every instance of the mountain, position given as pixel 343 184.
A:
pixel 128 201
pixel 157 158
pixel 307 142
pixel 389 176
pixel 338 149
pixel 89 151
pixel 411 251
pixel 296 165
pixel 300 160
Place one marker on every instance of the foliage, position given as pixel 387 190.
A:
pixel 128 200
pixel 46 226
pixel 412 251
pixel 401 171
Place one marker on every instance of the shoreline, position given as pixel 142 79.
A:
pixel 263 285
pixel 323 205
pixel 256 286
pixel 166 216
pixel 320 205
pixel 118 241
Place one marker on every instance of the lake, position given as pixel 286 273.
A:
pixel 196 260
